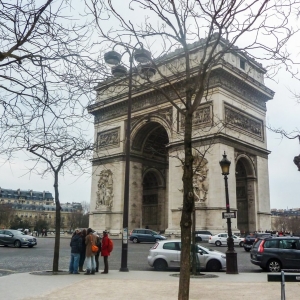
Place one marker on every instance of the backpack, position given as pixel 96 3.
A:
pixel 110 245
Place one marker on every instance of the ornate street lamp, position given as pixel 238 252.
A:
pixel 231 255
pixel 145 70
pixel 297 161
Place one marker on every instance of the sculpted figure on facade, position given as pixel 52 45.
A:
pixel 200 181
pixel 105 189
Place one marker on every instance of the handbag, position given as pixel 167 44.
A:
pixel 94 247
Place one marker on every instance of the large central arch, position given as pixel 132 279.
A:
pixel 149 144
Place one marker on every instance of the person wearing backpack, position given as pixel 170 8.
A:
pixel 105 251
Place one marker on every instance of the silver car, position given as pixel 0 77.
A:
pixel 166 254
pixel 16 238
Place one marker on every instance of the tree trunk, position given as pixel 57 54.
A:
pixel 57 225
pixel 188 206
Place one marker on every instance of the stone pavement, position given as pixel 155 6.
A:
pixel 139 285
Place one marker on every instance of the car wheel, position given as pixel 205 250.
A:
pixel 17 244
pixel 248 250
pixel 213 266
pixel 160 265
pixel 218 243
pixel 241 244
pixel 274 266
pixel 198 239
pixel 135 240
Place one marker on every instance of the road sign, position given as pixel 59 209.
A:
pixel 231 215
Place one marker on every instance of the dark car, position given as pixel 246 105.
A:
pixel 140 235
pixel 250 239
pixel 202 235
pixel 16 238
pixel 276 253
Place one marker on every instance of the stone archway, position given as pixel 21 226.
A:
pixel 245 195
pixel 149 148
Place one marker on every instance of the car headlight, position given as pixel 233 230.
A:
pixel 223 256
pixel 24 239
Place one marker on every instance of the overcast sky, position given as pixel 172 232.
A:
pixel 282 112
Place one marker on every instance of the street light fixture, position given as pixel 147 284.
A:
pixel 231 255
pixel 145 70
pixel 297 161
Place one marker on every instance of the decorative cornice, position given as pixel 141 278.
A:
pixel 113 107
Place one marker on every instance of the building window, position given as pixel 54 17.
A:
pixel 242 64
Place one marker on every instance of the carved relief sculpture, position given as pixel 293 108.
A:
pixel 109 138
pixel 105 189
pixel 200 181
pixel 201 117
pixel 241 121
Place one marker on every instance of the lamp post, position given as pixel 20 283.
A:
pixel 297 161
pixel 231 255
pixel 145 69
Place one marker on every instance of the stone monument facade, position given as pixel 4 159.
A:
pixel 232 119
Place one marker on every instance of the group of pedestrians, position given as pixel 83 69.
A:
pixel 81 251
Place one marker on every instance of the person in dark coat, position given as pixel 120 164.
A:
pixel 98 244
pixel 90 240
pixel 76 245
pixel 104 251
pixel 82 253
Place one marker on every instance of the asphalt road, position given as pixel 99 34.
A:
pixel 40 257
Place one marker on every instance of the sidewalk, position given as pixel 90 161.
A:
pixel 137 285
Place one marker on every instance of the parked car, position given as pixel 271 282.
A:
pixel 221 239
pixel 276 253
pixel 250 239
pixel 202 235
pixel 16 238
pixel 140 235
pixel 166 254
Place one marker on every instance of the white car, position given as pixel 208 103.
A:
pixel 166 254
pixel 221 239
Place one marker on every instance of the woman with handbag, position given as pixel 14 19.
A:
pixel 90 242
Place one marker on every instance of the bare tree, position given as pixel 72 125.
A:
pixel 57 152
pixel 216 28
pixel 45 63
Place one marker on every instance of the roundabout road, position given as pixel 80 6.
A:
pixel 40 257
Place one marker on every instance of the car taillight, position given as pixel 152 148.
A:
pixel 261 247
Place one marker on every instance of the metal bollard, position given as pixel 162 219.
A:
pixel 282 286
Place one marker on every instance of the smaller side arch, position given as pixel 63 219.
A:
pixel 248 165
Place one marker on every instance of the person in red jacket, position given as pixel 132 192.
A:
pixel 104 251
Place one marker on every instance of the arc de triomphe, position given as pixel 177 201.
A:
pixel 237 99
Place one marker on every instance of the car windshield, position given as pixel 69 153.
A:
pixel 17 232
pixel 206 249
